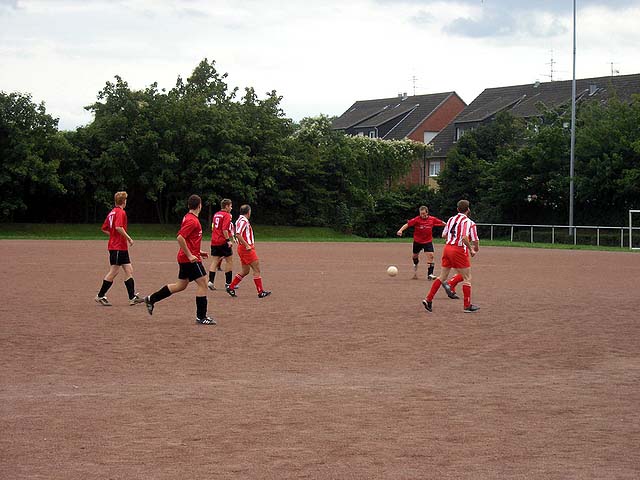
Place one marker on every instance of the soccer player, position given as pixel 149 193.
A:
pixel 422 238
pixel 115 225
pixel 247 253
pixel 462 240
pixel 221 243
pixel 190 264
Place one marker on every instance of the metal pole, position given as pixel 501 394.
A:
pixel 573 126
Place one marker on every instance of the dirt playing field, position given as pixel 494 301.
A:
pixel 341 373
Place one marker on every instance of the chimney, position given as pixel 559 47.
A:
pixel 593 88
pixel 404 96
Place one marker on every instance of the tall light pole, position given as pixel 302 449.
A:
pixel 573 126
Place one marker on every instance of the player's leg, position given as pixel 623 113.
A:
pixel 429 256
pixel 231 289
pixel 201 302
pixel 466 289
pixel 185 275
pixel 257 279
pixel 107 281
pixel 228 270
pixel 416 258
pixel 215 262
pixel 129 283
pixel 453 282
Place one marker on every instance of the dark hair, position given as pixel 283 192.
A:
pixel 225 202
pixel 423 208
pixel 244 209
pixel 194 202
pixel 463 206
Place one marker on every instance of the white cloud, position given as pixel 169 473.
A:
pixel 320 56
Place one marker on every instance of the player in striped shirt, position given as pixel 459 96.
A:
pixel 247 253
pixel 462 240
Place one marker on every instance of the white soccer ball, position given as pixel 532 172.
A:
pixel 392 271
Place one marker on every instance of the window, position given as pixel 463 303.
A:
pixel 428 136
pixel 372 134
pixel 434 169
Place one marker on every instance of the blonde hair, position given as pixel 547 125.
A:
pixel 120 197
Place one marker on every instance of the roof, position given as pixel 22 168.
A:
pixel 443 141
pixel 522 100
pixel 409 113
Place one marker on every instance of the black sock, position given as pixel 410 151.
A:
pixel 212 276
pixel 431 267
pixel 201 307
pixel 228 277
pixel 106 285
pixel 161 294
pixel 129 283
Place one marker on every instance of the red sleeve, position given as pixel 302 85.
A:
pixel 226 222
pixel 186 228
pixel 437 222
pixel 120 219
pixel 105 224
pixel 412 222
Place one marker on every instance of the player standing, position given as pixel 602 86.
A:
pixel 247 253
pixel 422 238
pixel 189 263
pixel 221 243
pixel 115 225
pixel 461 233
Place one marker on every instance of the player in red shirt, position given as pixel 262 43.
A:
pixel 190 264
pixel 247 253
pixel 462 241
pixel 221 243
pixel 115 225
pixel 422 238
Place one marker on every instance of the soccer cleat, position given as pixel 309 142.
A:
pixel 471 309
pixel 206 321
pixel 427 305
pixel 210 285
pixel 450 293
pixel 226 285
pixel 431 277
pixel 263 294
pixel 102 301
pixel 136 299
pixel 149 305
pixel 231 291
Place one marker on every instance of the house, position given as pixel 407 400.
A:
pixel 416 117
pixel 522 101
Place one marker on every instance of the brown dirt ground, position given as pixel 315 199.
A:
pixel 341 373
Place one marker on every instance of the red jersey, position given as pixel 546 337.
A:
pixel 116 218
pixel 423 228
pixel 221 223
pixel 191 231
pixel 459 226
pixel 243 228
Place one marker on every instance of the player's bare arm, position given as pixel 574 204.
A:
pixel 183 246
pixel 402 229
pixel 124 233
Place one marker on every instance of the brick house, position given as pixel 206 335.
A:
pixel 418 117
pixel 522 101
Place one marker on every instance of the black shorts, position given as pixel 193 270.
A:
pixel 223 250
pixel 427 247
pixel 119 257
pixel 191 271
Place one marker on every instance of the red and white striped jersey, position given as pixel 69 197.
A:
pixel 459 226
pixel 243 228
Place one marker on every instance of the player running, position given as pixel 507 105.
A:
pixel 247 253
pixel 115 225
pixel 422 238
pixel 221 244
pixel 462 240
pixel 190 264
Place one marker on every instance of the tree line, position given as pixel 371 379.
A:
pixel 203 137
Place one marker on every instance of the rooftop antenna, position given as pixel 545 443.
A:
pixel 414 78
pixel 614 71
pixel 552 62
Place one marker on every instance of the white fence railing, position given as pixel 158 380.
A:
pixel 578 234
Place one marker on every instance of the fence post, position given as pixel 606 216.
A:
pixel 531 233
pixel 512 233
pixel 575 235
pixel 553 234
pixel 598 236
pixel 491 231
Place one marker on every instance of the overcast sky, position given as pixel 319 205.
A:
pixel 321 56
